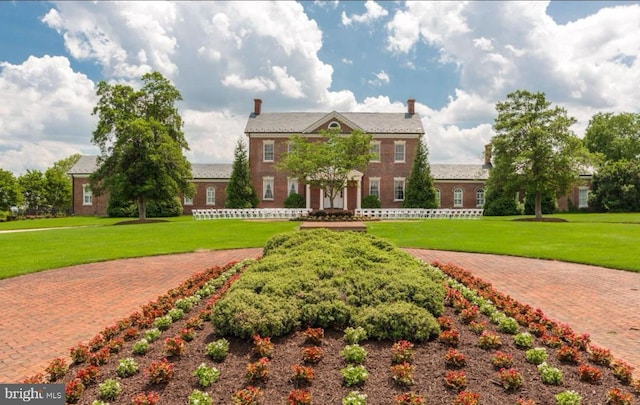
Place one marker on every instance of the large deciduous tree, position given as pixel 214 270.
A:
pixel 58 183
pixel 141 142
pixel 616 186
pixel 32 186
pixel 534 148
pixel 327 163
pixel 10 194
pixel 421 192
pixel 240 191
pixel 614 136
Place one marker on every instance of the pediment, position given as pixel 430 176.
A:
pixel 330 121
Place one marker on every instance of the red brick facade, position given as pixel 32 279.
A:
pixel 395 136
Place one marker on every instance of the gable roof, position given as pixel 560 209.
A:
pixel 88 164
pixel 443 171
pixel 303 122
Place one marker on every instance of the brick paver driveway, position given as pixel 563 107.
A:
pixel 46 313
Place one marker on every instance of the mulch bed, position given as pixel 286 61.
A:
pixel 327 387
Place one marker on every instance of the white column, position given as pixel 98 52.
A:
pixel 308 195
pixel 321 200
pixel 344 199
pixel 359 194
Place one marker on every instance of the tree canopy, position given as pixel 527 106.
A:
pixel 141 143
pixel 240 191
pixel 614 136
pixel 421 192
pixel 32 185
pixel 534 148
pixel 616 186
pixel 9 191
pixel 328 162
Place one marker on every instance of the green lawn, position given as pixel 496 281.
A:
pixel 608 240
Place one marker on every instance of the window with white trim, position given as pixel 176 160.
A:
pixel 268 151
pixel 398 189
pixel 479 198
pixel 334 125
pixel 267 188
pixel 292 186
pixel 87 195
pixel 583 197
pixel 399 151
pixel 375 150
pixel 188 200
pixel 457 197
pixel 211 195
pixel 374 186
pixel 438 198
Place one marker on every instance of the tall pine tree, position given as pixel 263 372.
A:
pixel 240 191
pixel 421 192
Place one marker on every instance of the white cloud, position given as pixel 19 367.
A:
pixel 289 86
pixel 586 66
pixel 382 78
pixel 373 13
pixel 116 36
pixel 44 105
pixel 212 135
pixel 255 84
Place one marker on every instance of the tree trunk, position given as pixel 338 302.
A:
pixel 142 209
pixel 538 205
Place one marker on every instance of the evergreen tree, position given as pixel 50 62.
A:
pixel 421 192
pixel 240 191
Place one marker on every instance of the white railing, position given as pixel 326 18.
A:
pixel 250 213
pixel 420 213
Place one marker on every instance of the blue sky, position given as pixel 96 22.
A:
pixel 457 59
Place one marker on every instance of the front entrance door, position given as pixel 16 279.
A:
pixel 338 202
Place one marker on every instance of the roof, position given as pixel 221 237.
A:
pixel 87 165
pixel 441 171
pixel 84 165
pixel 303 122
pixel 211 170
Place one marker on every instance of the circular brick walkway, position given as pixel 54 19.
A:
pixel 44 314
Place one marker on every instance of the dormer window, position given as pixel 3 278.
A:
pixel 334 125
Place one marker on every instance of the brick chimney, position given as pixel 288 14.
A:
pixel 487 154
pixel 411 106
pixel 257 106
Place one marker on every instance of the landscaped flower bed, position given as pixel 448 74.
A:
pixel 306 366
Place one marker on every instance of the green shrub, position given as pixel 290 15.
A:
pixel 218 349
pixel 353 354
pixel 508 325
pixel 152 334
pixel 206 375
pixel 501 206
pixel 355 335
pixel 163 322
pixel 198 397
pixel 523 340
pixel 295 200
pixel 398 320
pixel 568 398
pixel 127 367
pixel 323 278
pixel 536 355
pixel 354 375
pixel 371 201
pixel 141 347
pixel 109 389
pixel 550 375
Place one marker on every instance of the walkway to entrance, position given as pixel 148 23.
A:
pixel 46 313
